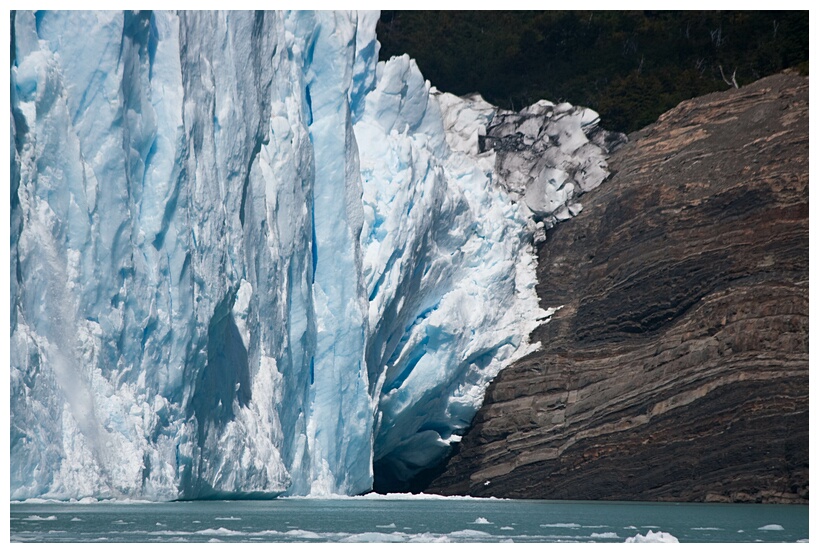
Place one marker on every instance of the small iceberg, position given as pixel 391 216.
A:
pixel 770 527
pixel 653 537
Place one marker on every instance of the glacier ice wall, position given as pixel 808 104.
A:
pixel 248 259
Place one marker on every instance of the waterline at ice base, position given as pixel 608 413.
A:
pixel 249 260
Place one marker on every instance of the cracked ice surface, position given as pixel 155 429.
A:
pixel 248 259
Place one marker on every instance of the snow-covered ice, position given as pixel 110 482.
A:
pixel 250 260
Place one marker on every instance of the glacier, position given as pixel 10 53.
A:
pixel 248 259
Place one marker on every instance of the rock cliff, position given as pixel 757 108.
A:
pixel 677 368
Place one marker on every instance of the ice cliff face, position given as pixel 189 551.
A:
pixel 247 259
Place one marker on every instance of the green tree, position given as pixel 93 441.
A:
pixel 630 66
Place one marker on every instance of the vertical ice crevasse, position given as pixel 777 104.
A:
pixel 339 425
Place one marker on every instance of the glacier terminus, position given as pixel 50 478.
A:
pixel 248 259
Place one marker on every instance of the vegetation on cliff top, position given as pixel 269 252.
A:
pixel 629 66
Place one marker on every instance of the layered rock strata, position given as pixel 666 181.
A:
pixel 677 367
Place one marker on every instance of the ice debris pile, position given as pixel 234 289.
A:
pixel 248 259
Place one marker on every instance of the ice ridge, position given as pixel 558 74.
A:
pixel 248 259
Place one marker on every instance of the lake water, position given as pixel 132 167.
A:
pixel 401 519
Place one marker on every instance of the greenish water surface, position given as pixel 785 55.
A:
pixel 401 519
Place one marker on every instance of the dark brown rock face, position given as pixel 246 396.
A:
pixel 677 368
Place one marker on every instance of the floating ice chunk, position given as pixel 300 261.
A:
pixel 605 535
pixel 469 534
pixel 561 525
pixel 481 520
pixel 305 534
pixel 653 537
pixel 221 531
pixel 376 537
pixel 769 527
pixel 427 537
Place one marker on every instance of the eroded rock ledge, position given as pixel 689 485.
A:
pixel 677 368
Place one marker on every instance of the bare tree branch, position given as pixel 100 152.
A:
pixel 733 81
